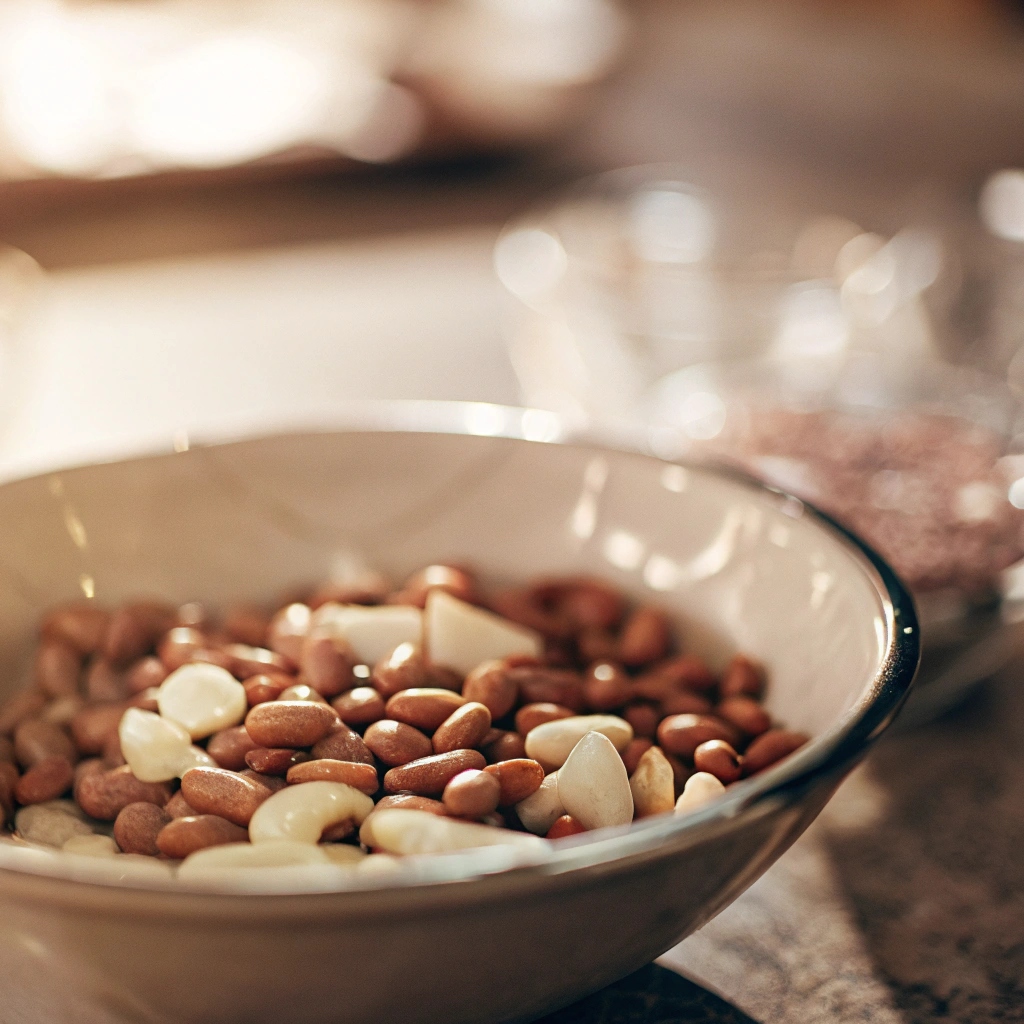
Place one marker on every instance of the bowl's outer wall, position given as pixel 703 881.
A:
pixel 743 569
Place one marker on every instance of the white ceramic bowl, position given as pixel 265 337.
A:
pixel 479 936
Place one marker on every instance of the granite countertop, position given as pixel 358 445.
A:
pixel 902 904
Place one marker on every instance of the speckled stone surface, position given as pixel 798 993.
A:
pixel 903 904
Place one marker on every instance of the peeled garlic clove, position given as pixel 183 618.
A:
pixel 552 742
pixel 155 748
pixel 653 784
pixel 462 636
pixel 203 699
pixel 416 832
pixel 699 790
pixel 372 632
pixel 593 785
pixel 301 813
pixel 540 809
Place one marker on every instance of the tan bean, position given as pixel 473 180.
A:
pixel 743 677
pixel 326 663
pixel 540 685
pixel 643 717
pixel 427 776
pixel 404 669
pixel 506 747
pixel 144 674
pixel 490 684
pixel 718 758
pixel 179 807
pixel 178 646
pixel 771 747
pixel 471 794
pixel 463 729
pixel 343 744
pixel 288 723
pixel 45 780
pixel 746 714
pixel 360 776
pixel 683 734
pixel 36 740
pixel 606 686
pixel 94 724
pixel 274 760
pixel 359 706
pixel 24 704
pixel 58 668
pixel 396 743
pixel 185 835
pixel 80 625
pixel 636 749
pixel 104 794
pixel 261 688
pixel 224 793
pixel 247 624
pixel 288 630
pixel 103 682
pixel 137 826
pixel 229 747
pixel 517 779
pixel 646 637
pixel 652 784
pixel 686 702
pixel 423 707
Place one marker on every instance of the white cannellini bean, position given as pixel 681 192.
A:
pixel 91 846
pixel 593 785
pixel 462 636
pixel 372 632
pixel 301 813
pixel 653 784
pixel 699 790
pixel 203 699
pixel 552 742
pixel 155 748
pixel 540 809
pixel 276 853
pixel 194 757
pixel 342 853
pixel 408 832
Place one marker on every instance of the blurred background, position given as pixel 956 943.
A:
pixel 784 233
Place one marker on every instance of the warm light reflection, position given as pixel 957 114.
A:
pixel 623 549
pixel 1002 205
pixel 672 225
pixel 485 420
pixel 529 262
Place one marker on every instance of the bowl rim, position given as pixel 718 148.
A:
pixel 826 758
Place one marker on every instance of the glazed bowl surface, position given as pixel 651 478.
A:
pixel 481 936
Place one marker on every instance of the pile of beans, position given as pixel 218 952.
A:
pixel 357 719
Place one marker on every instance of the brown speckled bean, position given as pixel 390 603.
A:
pixel 326 663
pixel 229 747
pixel 360 776
pixel 288 630
pixel 423 708
pixel 743 677
pixel 58 668
pixel 289 723
pixel 274 760
pixel 529 716
pixel 506 747
pixel 94 724
pixel 770 747
pixel 45 780
pixel 263 687
pixel 343 744
pixel 634 751
pixel 490 684
pixel 224 793
pixel 24 704
pixel 144 674
pixel 36 740
pixel 80 625
pixel 463 729
pixel 359 706
pixel 427 776
pixel 683 734
pixel 517 778
pixel 471 794
pixel 185 835
pixel 396 743
pixel 404 669
pixel 179 807
pixel 104 794
pixel 646 637
pixel 137 826
pixel 606 687
pixel 746 714
pixel 718 758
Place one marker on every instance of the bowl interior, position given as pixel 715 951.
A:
pixel 743 568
